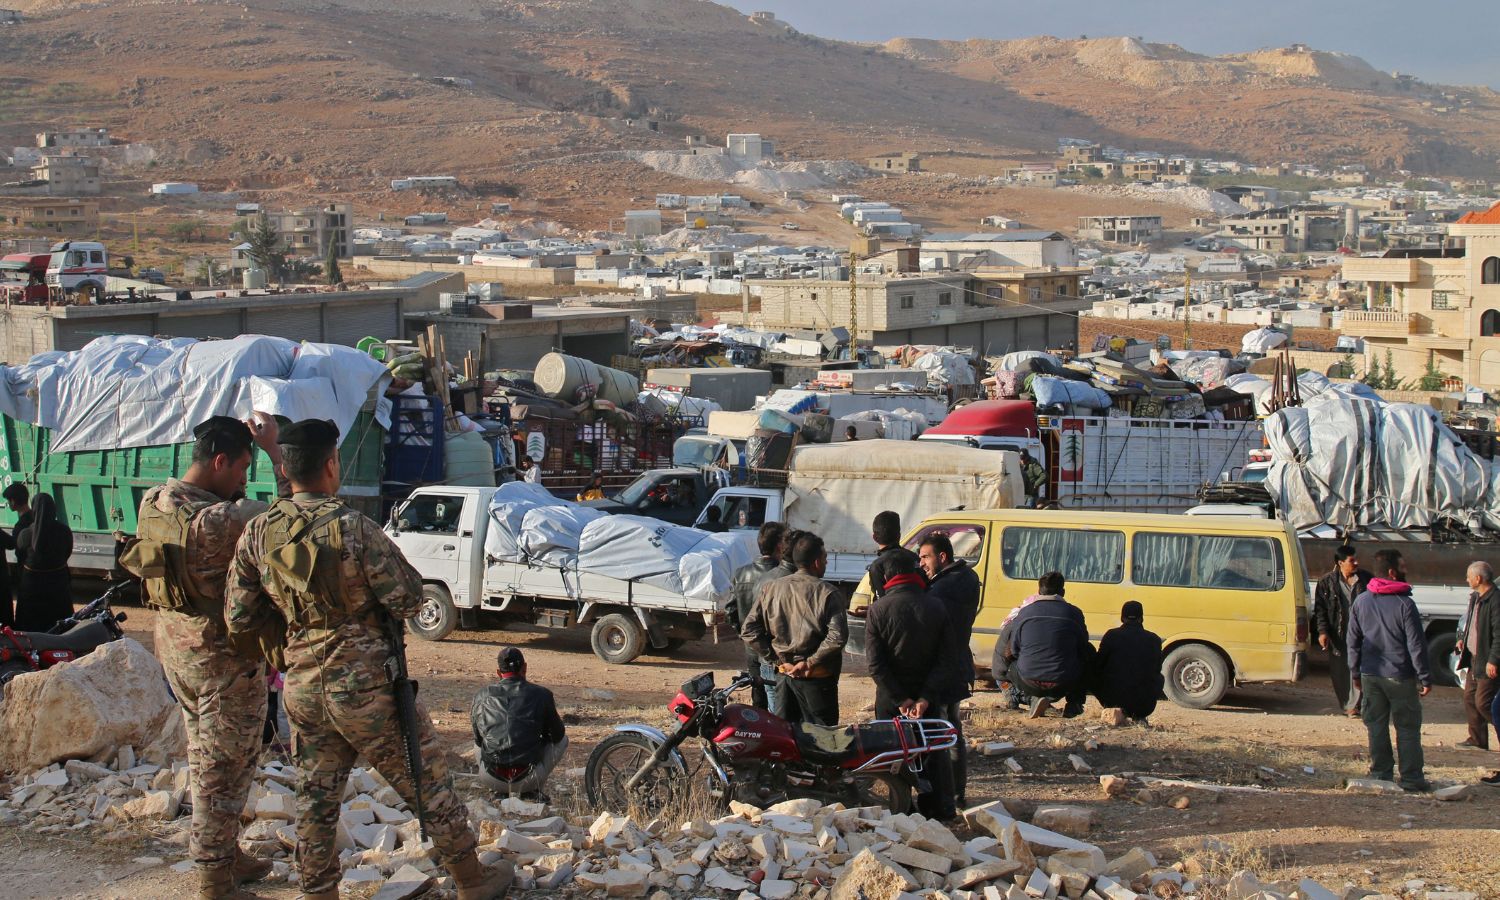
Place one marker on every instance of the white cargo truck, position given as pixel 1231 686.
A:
pixel 526 557
pixel 836 490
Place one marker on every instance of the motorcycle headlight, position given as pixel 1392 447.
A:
pixel 699 686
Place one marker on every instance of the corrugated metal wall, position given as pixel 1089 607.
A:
pixel 299 323
pixel 348 325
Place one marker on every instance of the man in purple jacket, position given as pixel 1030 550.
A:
pixel 1388 662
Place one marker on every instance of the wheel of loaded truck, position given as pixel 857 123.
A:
pixel 1443 655
pixel 618 638
pixel 1197 676
pixel 438 616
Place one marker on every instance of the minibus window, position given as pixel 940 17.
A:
pixel 1208 561
pixel 967 539
pixel 1084 556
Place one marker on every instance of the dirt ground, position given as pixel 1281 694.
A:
pixel 1288 823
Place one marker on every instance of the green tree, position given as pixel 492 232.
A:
pixel 185 231
pixel 265 248
pixel 331 264
pixel 1432 378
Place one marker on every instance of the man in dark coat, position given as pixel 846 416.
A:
pixel 517 729
pixel 953 583
pixel 909 647
pixel 1129 666
pixel 887 535
pixel 1331 603
pixel 1479 652
pixel 747 582
pixel 1047 653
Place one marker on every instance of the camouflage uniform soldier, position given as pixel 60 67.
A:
pixel 187 533
pixel 333 577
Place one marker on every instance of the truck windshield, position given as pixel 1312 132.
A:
pixel 635 492
pixel 694 453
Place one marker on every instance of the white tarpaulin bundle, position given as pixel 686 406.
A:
pixel 1262 340
pixel 1349 462
pixel 945 367
pixel 1309 385
pixel 132 391
pixel 529 525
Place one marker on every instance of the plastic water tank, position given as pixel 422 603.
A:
pixel 468 460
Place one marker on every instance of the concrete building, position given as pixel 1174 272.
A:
pixel 343 317
pixel 895 163
pixel 1153 170
pixel 516 335
pixel 68 175
pixel 307 232
pixel 751 148
pixel 1039 174
pixel 1087 155
pixel 1435 306
pixel 77 137
pixel 962 309
pixel 642 223
pixel 424 182
pixel 1286 229
pixel 1027 249
pixel 1120 229
pixel 63 216
pixel 173 188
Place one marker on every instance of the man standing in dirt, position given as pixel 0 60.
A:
pixel 747 582
pixel 801 623
pixel 1478 652
pixel 186 537
pixel 954 583
pixel 1331 602
pixel 1388 659
pixel 886 532
pixel 334 582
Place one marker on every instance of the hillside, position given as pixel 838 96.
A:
pixel 340 96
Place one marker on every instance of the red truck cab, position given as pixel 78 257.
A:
pixel 29 271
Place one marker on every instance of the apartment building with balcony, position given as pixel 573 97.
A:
pixel 1439 307
pixel 307 232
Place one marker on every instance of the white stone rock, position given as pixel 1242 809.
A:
pixel 1454 792
pixel 407 882
pixel 388 815
pixel 805 809
pixel 996 748
pixel 777 889
pixel 1079 764
pixel 912 858
pixel 721 879
pixel 362 875
pixel 1069 820
pixel 515 806
pixel 598 694
pixel 1371 786
pixel 157 806
pixel 1011 764
pixel 276 806
pixel 934 838
pixel 868 877
pixel 965 879
pixel 55 778
pixel 93 707
pixel 1307 889
pixel 1090 861
pixel 1131 865
pixel 516 842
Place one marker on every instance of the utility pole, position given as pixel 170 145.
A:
pixel 1187 308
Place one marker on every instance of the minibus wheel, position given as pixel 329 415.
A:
pixel 1197 676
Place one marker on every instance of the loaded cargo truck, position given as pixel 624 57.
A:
pixel 836 490
pixel 1120 464
pixel 476 560
pixel 99 491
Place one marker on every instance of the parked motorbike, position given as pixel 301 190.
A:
pixel 70 638
pixel 752 756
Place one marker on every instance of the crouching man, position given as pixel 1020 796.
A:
pixel 518 731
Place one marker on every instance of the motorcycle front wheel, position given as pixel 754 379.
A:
pixel 615 761
pixel 884 790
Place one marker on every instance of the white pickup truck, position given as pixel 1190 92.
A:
pixel 442 531
pixel 836 490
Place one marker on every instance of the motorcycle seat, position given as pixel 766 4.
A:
pixel 81 639
pixel 840 743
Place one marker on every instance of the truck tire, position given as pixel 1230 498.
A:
pixel 618 639
pixel 438 616
pixel 1442 658
pixel 1197 676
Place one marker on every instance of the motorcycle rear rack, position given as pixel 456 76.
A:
pixel 933 736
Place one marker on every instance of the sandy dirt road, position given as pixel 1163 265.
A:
pixel 1292 824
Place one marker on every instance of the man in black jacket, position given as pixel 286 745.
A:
pixel 1479 652
pixel 1047 651
pixel 518 731
pixel 887 535
pixel 1331 602
pixel 747 582
pixel 953 583
pixel 1129 666
pixel 909 647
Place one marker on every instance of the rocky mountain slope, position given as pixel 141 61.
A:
pixel 342 95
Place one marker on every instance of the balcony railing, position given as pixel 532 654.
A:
pixel 1379 323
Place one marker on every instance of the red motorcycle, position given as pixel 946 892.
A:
pixel 754 757
pixel 70 638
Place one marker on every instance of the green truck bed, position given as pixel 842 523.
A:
pixel 99 491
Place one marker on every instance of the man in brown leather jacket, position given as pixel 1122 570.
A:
pixel 801 623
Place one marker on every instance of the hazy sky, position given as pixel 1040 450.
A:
pixel 1449 41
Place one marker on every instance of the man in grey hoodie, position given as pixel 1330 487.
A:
pixel 1388 662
